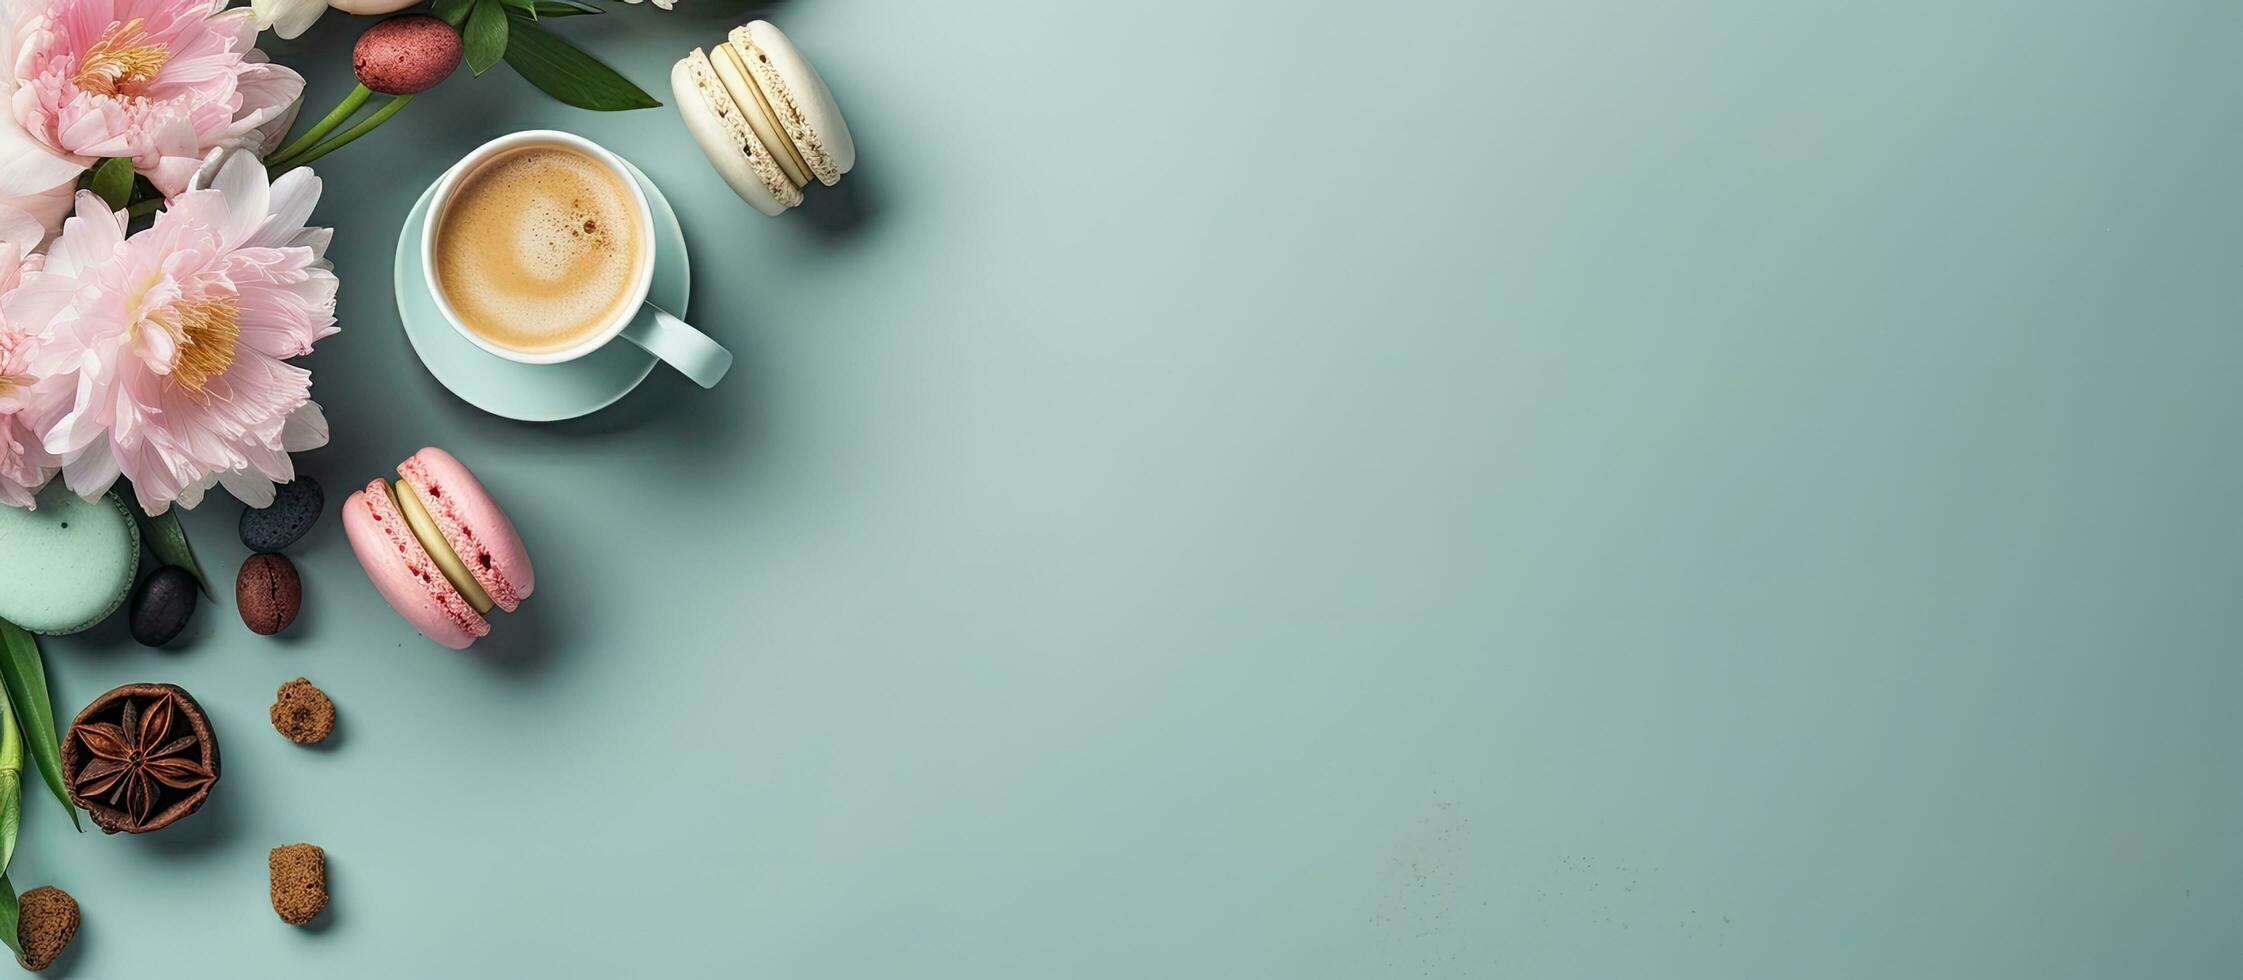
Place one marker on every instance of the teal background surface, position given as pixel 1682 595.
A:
pixel 1251 489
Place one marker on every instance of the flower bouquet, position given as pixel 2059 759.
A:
pixel 159 271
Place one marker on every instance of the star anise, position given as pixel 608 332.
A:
pixel 130 759
pixel 140 757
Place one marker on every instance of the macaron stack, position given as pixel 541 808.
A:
pixel 437 546
pixel 763 116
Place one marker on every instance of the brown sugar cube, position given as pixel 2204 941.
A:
pixel 47 922
pixel 303 712
pixel 299 881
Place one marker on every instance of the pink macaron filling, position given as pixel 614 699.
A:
pixel 474 525
pixel 403 573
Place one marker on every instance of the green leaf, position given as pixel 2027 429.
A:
pixel 11 816
pixel 528 7
pixel 9 913
pixel 564 8
pixel 169 541
pixel 112 182
pixel 26 680
pixel 11 784
pixel 485 35
pixel 454 12
pixel 568 74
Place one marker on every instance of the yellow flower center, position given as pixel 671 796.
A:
pixel 121 61
pixel 206 331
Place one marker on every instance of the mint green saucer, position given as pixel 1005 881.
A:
pixel 535 392
pixel 70 562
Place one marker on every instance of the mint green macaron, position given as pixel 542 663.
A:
pixel 69 562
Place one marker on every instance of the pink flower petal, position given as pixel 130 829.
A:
pixel 167 351
pixel 211 88
pixel 28 167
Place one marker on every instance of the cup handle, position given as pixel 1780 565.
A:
pixel 675 341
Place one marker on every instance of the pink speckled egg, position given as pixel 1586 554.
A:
pixel 408 54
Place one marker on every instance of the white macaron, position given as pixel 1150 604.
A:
pixel 763 116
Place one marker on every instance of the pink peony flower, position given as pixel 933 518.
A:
pixel 27 404
pixel 25 465
pixel 162 82
pixel 175 341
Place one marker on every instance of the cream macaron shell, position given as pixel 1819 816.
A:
pixel 763 116
pixel 800 99
pixel 722 130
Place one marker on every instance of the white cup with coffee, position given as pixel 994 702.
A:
pixel 539 248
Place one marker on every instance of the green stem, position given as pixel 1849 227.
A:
pixel 343 110
pixel 364 126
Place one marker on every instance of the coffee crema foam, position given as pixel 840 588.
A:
pixel 539 248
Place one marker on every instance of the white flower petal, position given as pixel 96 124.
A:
pixel 28 166
pixel 248 486
pixel 287 18
pixel 89 237
pixel 292 198
pixel 188 496
pixel 248 195
pixel 33 304
pixel 315 239
pixel 306 429
pixel 91 473
pixel 47 208
pixel 243 20
pixel 207 170
pixel 271 95
pixel 20 229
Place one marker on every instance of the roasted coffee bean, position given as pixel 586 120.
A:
pixel 268 593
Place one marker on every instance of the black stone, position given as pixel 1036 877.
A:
pixel 162 605
pixel 295 508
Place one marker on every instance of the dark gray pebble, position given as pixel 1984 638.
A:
pixel 161 605
pixel 295 508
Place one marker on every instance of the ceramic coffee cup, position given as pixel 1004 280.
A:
pixel 674 341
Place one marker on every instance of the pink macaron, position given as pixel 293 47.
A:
pixel 439 548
